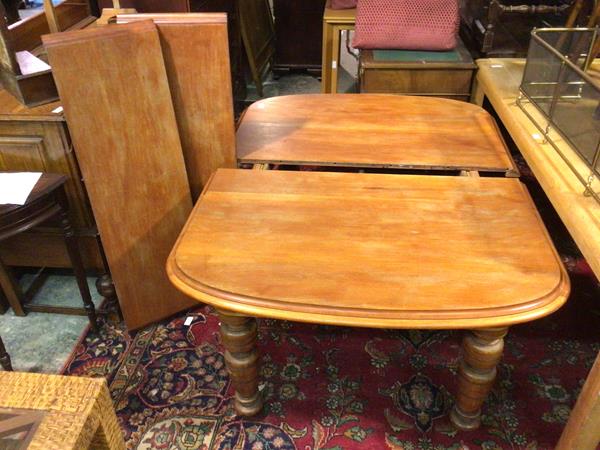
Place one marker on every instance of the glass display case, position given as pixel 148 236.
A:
pixel 560 93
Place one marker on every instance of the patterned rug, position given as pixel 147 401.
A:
pixel 334 388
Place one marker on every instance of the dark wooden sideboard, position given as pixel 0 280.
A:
pixel 37 140
pixel 298 35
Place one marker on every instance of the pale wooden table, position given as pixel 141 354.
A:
pixel 334 22
pixel 498 80
pixel 370 250
pixel 372 131
pixel 77 412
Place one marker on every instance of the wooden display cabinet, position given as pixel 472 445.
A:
pixel 37 139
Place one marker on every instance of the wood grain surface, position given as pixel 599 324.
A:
pixel 369 250
pixel 498 79
pixel 582 431
pixel 113 86
pixel 11 110
pixel 196 55
pixel 369 130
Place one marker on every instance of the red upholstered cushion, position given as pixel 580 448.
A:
pixel 406 24
pixel 343 4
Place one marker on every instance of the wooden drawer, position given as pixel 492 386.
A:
pixel 438 82
pixel 439 74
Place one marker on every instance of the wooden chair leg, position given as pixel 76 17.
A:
pixel 238 334
pixel 4 357
pixel 77 263
pixel 3 302
pixel 481 352
pixel 11 290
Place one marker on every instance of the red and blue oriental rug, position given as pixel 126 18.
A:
pixel 333 388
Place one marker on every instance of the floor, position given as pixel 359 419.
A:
pixel 41 342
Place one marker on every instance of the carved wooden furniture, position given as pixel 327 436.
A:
pixel 201 92
pixel 77 413
pixel 23 74
pixel 439 74
pixel 37 139
pixel 123 125
pixel 23 68
pixel 501 28
pixel 372 131
pixel 582 431
pixel 298 35
pixel 46 202
pixel 334 21
pixel 258 35
pixel 369 250
pixel 4 357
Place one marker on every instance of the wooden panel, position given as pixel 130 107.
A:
pixel 20 153
pixel 369 130
pixel 426 81
pixel 370 249
pixel 123 126
pixel 201 91
pixel 44 249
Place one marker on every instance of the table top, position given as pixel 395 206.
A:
pixel 369 250
pixel 372 130
pixel 499 78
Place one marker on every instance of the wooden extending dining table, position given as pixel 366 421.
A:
pixel 369 250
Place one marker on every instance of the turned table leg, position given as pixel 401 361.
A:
pixel 75 257
pixel 4 358
pixel 481 352
pixel 238 334
pixel 78 269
